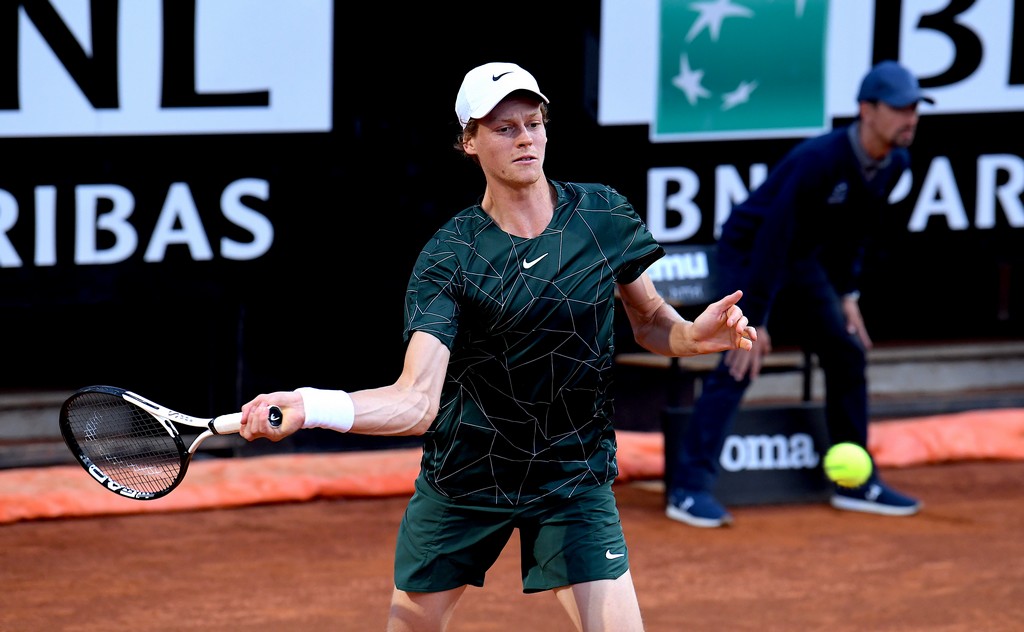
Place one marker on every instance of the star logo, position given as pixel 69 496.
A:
pixel 689 81
pixel 726 74
pixel 712 14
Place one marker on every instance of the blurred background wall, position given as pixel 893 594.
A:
pixel 205 199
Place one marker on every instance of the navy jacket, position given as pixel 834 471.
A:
pixel 816 206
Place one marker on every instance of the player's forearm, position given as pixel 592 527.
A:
pixel 667 333
pixel 386 411
pixel 407 407
pixel 393 411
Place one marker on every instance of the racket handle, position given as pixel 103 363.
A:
pixel 227 424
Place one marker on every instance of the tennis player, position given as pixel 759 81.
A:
pixel 509 325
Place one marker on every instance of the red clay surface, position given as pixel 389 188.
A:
pixel 326 565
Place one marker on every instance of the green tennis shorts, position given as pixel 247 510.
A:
pixel 443 544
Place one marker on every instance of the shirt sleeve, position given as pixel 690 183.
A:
pixel 431 298
pixel 638 245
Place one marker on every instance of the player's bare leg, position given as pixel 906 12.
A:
pixel 422 612
pixel 603 606
pixel 568 601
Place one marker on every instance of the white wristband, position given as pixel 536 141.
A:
pixel 327 409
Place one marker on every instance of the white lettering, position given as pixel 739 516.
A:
pixel 261 228
pixel 731 190
pixel 802 454
pixel 680 267
pixel 46 226
pixel 179 210
pixel 105 234
pixel 902 188
pixel 89 221
pixel 939 196
pixel 659 203
pixel 764 452
pixel 8 218
pixel 1008 193
pixel 999 180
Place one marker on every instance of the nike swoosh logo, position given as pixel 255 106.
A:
pixel 274 416
pixel 612 556
pixel 529 264
pixel 496 77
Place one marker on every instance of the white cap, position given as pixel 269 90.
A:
pixel 485 86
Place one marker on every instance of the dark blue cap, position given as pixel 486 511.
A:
pixel 892 84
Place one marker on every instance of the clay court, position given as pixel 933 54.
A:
pixel 325 563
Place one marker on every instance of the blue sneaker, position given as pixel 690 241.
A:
pixel 697 509
pixel 874 497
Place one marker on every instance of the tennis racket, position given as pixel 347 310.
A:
pixel 130 445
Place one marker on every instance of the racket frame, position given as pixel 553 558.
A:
pixel 168 420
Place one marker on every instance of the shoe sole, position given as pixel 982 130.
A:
pixel 866 506
pixel 695 521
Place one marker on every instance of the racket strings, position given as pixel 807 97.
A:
pixel 126 443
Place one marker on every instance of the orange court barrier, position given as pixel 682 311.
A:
pixel 66 491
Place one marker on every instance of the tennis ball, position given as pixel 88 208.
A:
pixel 847 464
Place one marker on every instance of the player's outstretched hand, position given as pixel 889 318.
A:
pixel 723 326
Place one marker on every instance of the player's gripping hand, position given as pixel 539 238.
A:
pixel 256 416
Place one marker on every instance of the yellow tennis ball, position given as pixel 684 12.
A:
pixel 847 464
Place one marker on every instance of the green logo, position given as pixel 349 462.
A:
pixel 731 69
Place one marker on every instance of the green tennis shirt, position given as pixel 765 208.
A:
pixel 525 410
